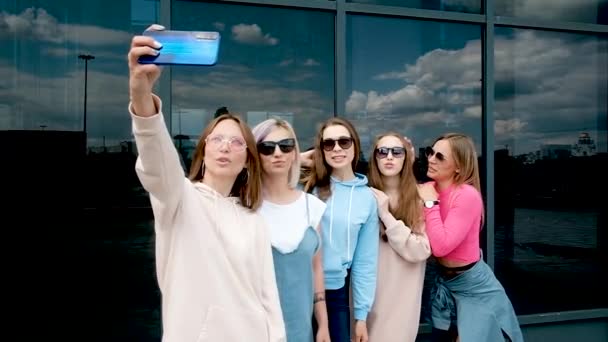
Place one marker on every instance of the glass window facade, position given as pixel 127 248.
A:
pixel 465 6
pixel 63 117
pixel 587 11
pixel 273 62
pixel 550 145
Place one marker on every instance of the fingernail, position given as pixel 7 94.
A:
pixel 157 45
pixel 158 27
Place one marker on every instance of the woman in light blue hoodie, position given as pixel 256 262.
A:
pixel 350 227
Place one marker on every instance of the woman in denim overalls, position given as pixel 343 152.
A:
pixel 293 219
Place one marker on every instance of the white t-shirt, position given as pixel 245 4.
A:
pixel 288 222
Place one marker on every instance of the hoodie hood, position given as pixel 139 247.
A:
pixel 209 192
pixel 359 180
pixel 223 201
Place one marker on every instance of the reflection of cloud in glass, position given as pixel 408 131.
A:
pixel 311 62
pixel 579 10
pixel 56 102
pixel 221 85
pixel 38 24
pixel 252 35
pixel 439 82
pixel 244 92
pixel 508 127
pixel 470 6
pixel 548 86
pixel 219 26
pixel 286 62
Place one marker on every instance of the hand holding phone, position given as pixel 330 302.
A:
pixel 184 48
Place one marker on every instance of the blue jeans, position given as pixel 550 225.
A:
pixel 338 314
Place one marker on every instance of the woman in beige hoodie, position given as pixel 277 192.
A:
pixel 404 246
pixel 213 255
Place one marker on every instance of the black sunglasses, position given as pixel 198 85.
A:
pixel 268 147
pixel 397 152
pixel 344 142
pixel 430 152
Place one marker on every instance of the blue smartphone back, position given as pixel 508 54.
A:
pixel 184 48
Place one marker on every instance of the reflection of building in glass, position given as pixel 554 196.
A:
pixel 555 151
pixel 584 147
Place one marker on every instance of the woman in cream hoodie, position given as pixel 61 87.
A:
pixel 404 246
pixel 213 255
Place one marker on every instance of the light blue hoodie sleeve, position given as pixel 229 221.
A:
pixel 365 263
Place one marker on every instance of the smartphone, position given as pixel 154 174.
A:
pixel 184 48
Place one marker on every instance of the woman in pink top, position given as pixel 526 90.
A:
pixel 468 302
pixel 404 246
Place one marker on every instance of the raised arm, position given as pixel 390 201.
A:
pixel 410 246
pixel 158 166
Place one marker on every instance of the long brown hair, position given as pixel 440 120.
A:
pixel 248 184
pixel 319 175
pixel 409 209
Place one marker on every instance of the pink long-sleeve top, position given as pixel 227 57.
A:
pixel 454 224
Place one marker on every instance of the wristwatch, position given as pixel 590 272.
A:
pixel 429 204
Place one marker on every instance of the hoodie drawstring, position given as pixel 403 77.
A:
pixel 350 202
pixel 331 221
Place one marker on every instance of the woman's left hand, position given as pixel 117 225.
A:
pixel 361 331
pixel 323 335
pixel 427 191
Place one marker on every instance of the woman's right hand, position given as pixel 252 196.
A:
pixel 306 158
pixel 382 201
pixel 143 76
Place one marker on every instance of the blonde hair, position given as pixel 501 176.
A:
pixel 264 128
pixel 465 157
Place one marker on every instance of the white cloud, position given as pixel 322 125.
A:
pixel 38 24
pixel 286 62
pixel 57 102
pixel 252 35
pixel 356 102
pixel 508 127
pixel 219 26
pixel 547 84
pixel 311 62
pixel 579 10
pixel 473 112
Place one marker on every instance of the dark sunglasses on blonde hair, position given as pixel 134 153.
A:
pixel 397 152
pixel 267 148
pixel 344 142
pixel 430 152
